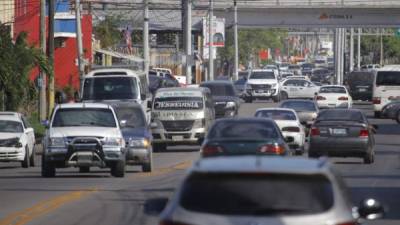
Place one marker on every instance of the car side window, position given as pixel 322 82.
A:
pixel 209 101
pixel 290 83
pixel 25 122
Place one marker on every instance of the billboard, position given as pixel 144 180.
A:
pixel 218 35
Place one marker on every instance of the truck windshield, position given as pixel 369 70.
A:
pixel 178 103
pixel 262 75
pixel 109 88
pixel 7 126
pixel 83 117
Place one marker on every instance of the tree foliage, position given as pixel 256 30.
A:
pixel 251 41
pixel 17 59
pixel 107 31
pixel 371 46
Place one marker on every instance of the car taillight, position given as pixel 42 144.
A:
pixel 343 98
pixel 272 149
pixel 321 97
pixel 314 131
pixel 291 129
pixel 167 222
pixel 364 133
pixel 209 150
pixel 376 100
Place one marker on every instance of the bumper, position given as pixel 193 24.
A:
pixel 190 137
pixel 340 146
pixel 298 142
pixel 264 94
pixel 62 158
pixel 361 95
pixel 227 112
pixel 136 156
pixel 331 105
pixel 11 154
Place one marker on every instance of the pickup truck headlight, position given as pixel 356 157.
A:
pixel 56 142
pixel 200 123
pixel 114 141
pixel 139 143
pixel 230 105
pixel 274 85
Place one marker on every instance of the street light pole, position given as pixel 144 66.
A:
pixel 210 43
pixel 188 40
pixel 79 44
pixel 42 84
pixel 236 62
pixel 351 49
pixel 50 54
pixel 359 49
pixel 146 50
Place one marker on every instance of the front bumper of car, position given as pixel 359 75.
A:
pixel 329 105
pixel 11 154
pixel 169 137
pixel 298 143
pixel 262 92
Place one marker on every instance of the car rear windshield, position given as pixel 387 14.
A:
pixel 340 90
pixel 300 106
pixel 108 88
pixel 133 116
pixel 220 89
pixel 276 114
pixel 83 117
pixel 294 67
pixel 340 115
pixel 262 75
pixel 360 78
pixel 178 103
pixel 244 129
pixel 388 78
pixel 8 126
pixel 257 194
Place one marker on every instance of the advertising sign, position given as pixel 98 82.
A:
pixel 218 35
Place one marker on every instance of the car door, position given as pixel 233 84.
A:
pixel 291 88
pixel 28 130
pixel 307 89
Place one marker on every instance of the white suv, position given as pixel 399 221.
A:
pixel 83 135
pixel 263 84
pixel 17 139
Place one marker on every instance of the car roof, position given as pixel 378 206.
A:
pixel 339 109
pixel 333 85
pixel 127 104
pixel 12 116
pixel 199 89
pixel 217 82
pixel 260 164
pixel 389 68
pixel 276 109
pixel 298 100
pixel 262 70
pixel 82 105
pixel 111 72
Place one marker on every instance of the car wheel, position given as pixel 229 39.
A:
pixel 32 158
pixel 84 169
pixel 118 169
pixel 276 98
pixel 48 170
pixel 398 116
pixel 377 114
pixel 159 147
pixel 25 163
pixel 284 95
pixel 369 157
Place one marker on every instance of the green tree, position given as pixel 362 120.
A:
pixel 107 31
pixel 17 59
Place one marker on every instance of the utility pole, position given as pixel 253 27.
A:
pixel 146 50
pixel 381 58
pixel 351 49
pixel 42 76
pixel 359 49
pixel 79 44
pixel 235 36
pixel 188 40
pixel 50 53
pixel 210 42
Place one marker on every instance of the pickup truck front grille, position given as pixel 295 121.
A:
pixel 260 86
pixel 178 125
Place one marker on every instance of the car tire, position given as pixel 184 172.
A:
pixel 32 157
pixel 118 169
pixel 398 117
pixel 48 170
pixel 25 163
pixel 377 114
pixel 276 98
pixel 369 157
pixel 84 169
pixel 159 147
pixel 284 95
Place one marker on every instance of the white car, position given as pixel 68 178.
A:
pixel 83 135
pixel 298 88
pixel 289 123
pixel 17 139
pixel 334 96
pixel 262 84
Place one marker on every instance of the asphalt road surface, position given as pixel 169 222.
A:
pixel 96 198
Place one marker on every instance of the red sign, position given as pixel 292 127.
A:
pixel 263 54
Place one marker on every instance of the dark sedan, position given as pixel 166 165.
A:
pixel 245 136
pixel 343 133
pixel 136 133
pixel 392 111
pixel 226 100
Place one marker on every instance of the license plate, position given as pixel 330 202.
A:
pixel 177 138
pixel 362 89
pixel 337 131
pixel 260 91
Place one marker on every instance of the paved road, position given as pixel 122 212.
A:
pixel 98 199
